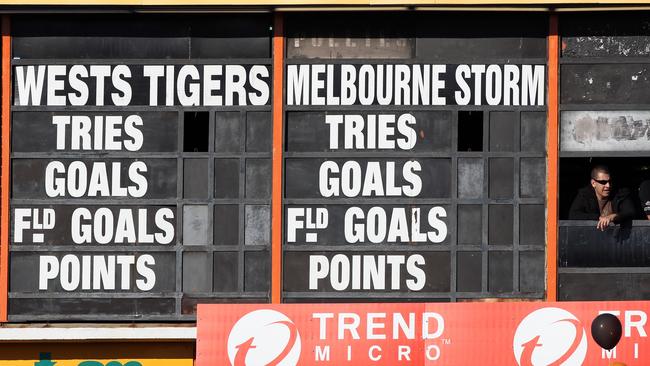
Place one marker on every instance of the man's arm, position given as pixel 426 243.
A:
pixel 626 212
pixel 604 221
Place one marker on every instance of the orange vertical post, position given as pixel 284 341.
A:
pixel 552 159
pixel 278 114
pixel 4 168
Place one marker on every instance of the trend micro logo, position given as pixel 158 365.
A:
pixel 550 337
pixel 264 337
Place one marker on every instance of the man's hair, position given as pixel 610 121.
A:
pixel 599 169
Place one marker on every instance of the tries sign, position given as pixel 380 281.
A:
pixel 523 334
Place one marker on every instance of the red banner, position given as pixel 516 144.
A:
pixel 522 333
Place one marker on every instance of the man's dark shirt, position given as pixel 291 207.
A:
pixel 585 205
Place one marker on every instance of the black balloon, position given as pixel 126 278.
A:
pixel 606 330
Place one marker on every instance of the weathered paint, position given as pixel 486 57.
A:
pixel 627 130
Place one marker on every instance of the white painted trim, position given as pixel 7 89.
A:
pixel 112 334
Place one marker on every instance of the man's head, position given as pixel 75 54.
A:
pixel 600 180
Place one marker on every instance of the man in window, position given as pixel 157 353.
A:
pixel 600 201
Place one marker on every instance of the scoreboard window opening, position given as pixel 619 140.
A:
pixel 196 132
pixel 604 119
pixel 470 125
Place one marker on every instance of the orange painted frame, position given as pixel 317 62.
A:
pixel 4 173
pixel 278 117
pixel 552 158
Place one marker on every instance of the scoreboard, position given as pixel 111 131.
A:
pixel 410 170
pixel 140 165
pixel 142 154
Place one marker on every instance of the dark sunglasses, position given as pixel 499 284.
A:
pixel 603 182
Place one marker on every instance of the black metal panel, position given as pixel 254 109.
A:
pixel 401 84
pixel 532 177
pixel 469 272
pixel 306 132
pixel 94 178
pixel 258 132
pixel 257 225
pixel 370 225
pixel 77 36
pixel 68 309
pixel 619 83
pixel 108 84
pixel 227 178
pixel 227 127
pixel 470 222
pixel 500 219
pixel 615 286
pixel 436 36
pixel 72 225
pixel 258 184
pixel 501 178
pixel 226 227
pixel 500 271
pixel 605 34
pixel 231 36
pixel 532 225
pixel 195 178
pixel 225 272
pixel 91 272
pixel 342 35
pixel 533 131
pixel 158 130
pixel 502 128
pixel 618 246
pixel 431 274
pixel 531 268
pixel 452 36
pixel 256 265
pixel 102 36
pixel 471 177
pixel 197 272
pixel 435 176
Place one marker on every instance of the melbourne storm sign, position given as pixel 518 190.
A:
pixel 415 84
pixel 368 176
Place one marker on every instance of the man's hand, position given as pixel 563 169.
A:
pixel 604 221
